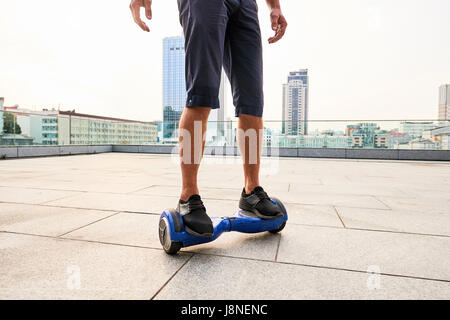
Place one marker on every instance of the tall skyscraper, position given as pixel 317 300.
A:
pixel 174 89
pixel 174 86
pixel 444 102
pixel 2 100
pixel 295 103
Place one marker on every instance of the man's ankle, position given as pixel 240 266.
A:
pixel 249 188
pixel 185 195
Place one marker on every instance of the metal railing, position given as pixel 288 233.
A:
pixel 28 128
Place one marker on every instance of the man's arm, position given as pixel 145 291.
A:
pixel 279 23
pixel 135 7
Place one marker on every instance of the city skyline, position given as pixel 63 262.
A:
pixel 55 127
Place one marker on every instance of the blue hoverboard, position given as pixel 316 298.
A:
pixel 173 235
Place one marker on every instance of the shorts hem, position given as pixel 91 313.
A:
pixel 252 111
pixel 202 101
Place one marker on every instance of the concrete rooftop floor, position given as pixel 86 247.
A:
pixel 85 227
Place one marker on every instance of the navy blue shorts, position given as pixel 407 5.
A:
pixel 223 33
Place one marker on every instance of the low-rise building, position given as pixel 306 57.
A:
pixel 267 138
pixel 381 141
pixel 324 141
pixel 425 144
pixel 421 144
pixel 396 138
pixel 53 127
pixel 357 140
pixel 41 126
pixel 367 135
pixel 443 135
pixel 78 128
pixel 415 129
pixel 286 141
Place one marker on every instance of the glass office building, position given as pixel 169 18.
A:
pixel 174 87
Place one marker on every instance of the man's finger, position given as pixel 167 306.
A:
pixel 275 38
pixel 141 24
pixel 274 19
pixel 281 29
pixel 135 10
pixel 144 26
pixel 148 9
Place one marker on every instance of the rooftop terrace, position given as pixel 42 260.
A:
pixel 85 227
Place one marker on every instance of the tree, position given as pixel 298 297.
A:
pixel 9 124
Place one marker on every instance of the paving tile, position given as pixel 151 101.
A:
pixel 331 199
pixel 97 184
pixel 9 175
pixel 438 191
pixel 117 202
pixel 394 253
pixel 43 220
pixel 418 204
pixel 124 228
pixel 285 178
pixel 221 208
pixel 51 268
pixel 210 277
pixel 349 189
pixel 394 220
pixel 313 215
pixel 222 194
pixel 31 196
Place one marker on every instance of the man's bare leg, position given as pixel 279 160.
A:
pixel 250 146
pixel 190 163
pixel 253 197
pixel 193 124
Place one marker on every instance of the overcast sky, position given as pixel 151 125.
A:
pixel 368 59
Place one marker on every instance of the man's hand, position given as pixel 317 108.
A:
pixel 279 25
pixel 277 19
pixel 135 7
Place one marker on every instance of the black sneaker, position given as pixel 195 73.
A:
pixel 195 219
pixel 259 203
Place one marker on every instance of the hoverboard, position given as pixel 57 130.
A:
pixel 173 235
